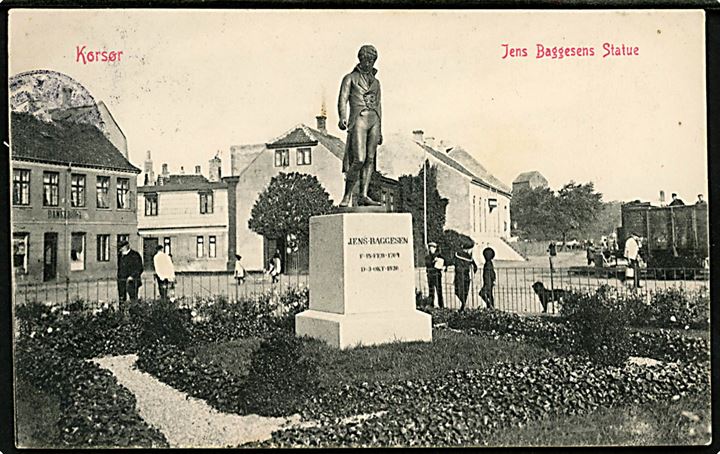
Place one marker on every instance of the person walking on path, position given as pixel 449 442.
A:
pixel 632 254
pixel 465 268
pixel 486 292
pixel 130 268
pixel 164 272
pixel 434 265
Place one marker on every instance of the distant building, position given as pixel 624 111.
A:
pixel 301 149
pixel 190 216
pixel 529 180
pixel 478 202
pixel 73 200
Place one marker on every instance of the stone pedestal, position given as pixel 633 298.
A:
pixel 362 285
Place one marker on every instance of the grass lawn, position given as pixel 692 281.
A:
pixel 36 415
pixel 389 362
pixel 683 422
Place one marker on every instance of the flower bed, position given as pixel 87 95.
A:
pixel 95 410
pixel 464 407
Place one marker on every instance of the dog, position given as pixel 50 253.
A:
pixel 548 296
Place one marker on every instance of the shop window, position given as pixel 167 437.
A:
pixel 77 252
pixel 20 252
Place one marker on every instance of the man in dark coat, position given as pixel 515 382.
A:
pixel 465 268
pixel 433 266
pixel 130 268
pixel 360 90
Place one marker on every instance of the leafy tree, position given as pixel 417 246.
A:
pixel 541 214
pixel 451 243
pixel 531 211
pixel 577 207
pixel 411 201
pixel 286 205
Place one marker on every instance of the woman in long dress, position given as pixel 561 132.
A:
pixel 465 267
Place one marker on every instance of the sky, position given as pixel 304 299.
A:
pixel 191 83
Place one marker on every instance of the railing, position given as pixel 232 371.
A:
pixel 513 288
pixel 97 292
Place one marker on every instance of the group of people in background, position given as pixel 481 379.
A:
pixel 465 269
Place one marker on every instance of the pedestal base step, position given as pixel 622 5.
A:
pixel 352 330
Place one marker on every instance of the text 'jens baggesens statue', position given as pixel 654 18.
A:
pixel 361 91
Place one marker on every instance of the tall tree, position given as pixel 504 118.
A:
pixel 541 214
pixel 412 188
pixel 286 205
pixel 577 207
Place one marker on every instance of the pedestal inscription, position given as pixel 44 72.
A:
pixel 362 287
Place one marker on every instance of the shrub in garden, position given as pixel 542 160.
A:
pixel 599 325
pixel 676 308
pixel 164 323
pixel 96 410
pixel 462 407
pixel 282 376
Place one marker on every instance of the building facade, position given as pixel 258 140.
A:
pixel 301 149
pixel 529 180
pixel 189 216
pixel 73 201
pixel 478 202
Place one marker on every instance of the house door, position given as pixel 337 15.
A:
pixel 149 248
pixel 50 245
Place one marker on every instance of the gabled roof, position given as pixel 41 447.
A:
pixel 64 143
pixel 527 176
pixel 334 144
pixel 297 136
pixel 466 160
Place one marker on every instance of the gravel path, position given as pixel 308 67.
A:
pixel 185 421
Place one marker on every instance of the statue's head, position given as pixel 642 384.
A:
pixel 367 56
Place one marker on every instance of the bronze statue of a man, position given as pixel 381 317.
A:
pixel 361 90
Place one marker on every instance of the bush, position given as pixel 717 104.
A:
pixel 676 307
pixel 166 324
pixel 600 325
pixel 282 376
pixel 452 243
pixel 95 410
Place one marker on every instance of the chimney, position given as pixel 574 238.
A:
pixel 182 170
pixel 321 124
pixel 418 135
pixel 322 120
pixel 165 171
pixel 430 142
pixel 198 170
pixel 215 168
pixel 148 169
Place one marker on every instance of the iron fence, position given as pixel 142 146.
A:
pixel 513 288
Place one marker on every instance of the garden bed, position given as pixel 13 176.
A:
pixel 484 373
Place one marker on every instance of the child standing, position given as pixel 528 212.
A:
pixel 486 292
